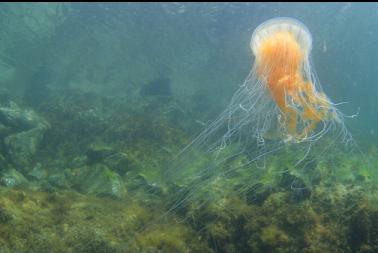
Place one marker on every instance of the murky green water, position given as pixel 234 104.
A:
pixel 134 127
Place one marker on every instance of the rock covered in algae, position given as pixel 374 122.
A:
pixel 97 152
pixel 101 181
pixel 102 153
pixel 25 132
pixel 119 162
pixel 12 178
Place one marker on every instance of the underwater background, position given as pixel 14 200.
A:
pixel 97 99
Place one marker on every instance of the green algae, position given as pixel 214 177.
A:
pixel 244 208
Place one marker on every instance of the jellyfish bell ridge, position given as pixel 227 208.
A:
pixel 291 25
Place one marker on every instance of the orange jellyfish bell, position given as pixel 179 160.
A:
pixel 282 47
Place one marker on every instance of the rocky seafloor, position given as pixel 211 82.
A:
pixel 81 172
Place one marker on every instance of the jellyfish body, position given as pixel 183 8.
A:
pixel 281 100
pixel 282 48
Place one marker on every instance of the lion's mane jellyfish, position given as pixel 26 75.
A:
pixel 279 112
pixel 282 48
